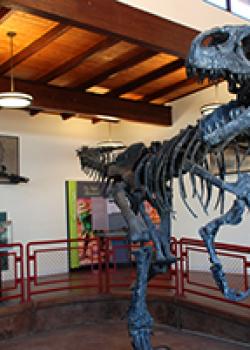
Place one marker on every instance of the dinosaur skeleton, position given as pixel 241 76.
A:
pixel 142 173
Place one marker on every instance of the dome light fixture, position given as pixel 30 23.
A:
pixel 13 99
pixel 109 143
pixel 209 108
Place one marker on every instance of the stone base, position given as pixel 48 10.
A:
pixel 54 314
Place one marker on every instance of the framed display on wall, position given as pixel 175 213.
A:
pixel 9 156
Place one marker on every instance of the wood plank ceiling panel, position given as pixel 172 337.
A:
pixel 181 89
pixel 137 71
pixel 28 28
pixel 168 89
pixel 163 82
pixel 57 52
pixel 149 77
pixel 99 53
pixel 37 45
pixel 76 60
pixel 139 56
pixel 97 64
pixel 114 18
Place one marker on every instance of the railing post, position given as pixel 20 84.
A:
pixel 181 293
pixel 175 252
pixel 107 262
pixel 28 273
pixel 99 252
pixel 246 266
pixel 21 261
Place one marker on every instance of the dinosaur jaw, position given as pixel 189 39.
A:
pixel 236 82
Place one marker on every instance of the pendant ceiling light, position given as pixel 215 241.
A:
pixel 210 107
pixel 109 142
pixel 13 99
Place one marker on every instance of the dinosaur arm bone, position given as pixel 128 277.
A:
pixel 208 234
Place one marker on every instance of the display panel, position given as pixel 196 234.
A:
pixel 88 215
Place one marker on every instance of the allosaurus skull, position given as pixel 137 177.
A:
pixel 222 53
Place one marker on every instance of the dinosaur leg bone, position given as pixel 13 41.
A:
pixel 154 235
pixel 137 230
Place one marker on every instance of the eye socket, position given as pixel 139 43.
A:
pixel 246 46
pixel 214 39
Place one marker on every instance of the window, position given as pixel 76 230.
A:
pixel 219 3
pixel 237 7
pixel 241 8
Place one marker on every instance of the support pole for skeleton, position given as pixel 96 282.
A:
pixel 140 322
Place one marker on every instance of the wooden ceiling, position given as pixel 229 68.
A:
pixel 77 63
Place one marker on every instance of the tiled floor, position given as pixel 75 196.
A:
pixel 114 336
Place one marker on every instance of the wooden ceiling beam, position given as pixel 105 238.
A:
pixel 184 94
pixel 34 111
pixel 113 18
pixel 66 115
pixel 4 14
pixel 34 47
pixel 62 100
pixel 164 91
pixel 74 62
pixel 153 75
pixel 130 62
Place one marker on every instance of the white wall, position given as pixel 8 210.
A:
pixel 192 13
pixel 48 158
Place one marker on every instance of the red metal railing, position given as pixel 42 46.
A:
pixel 200 282
pixel 41 278
pixel 111 266
pixel 11 272
pixel 120 267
